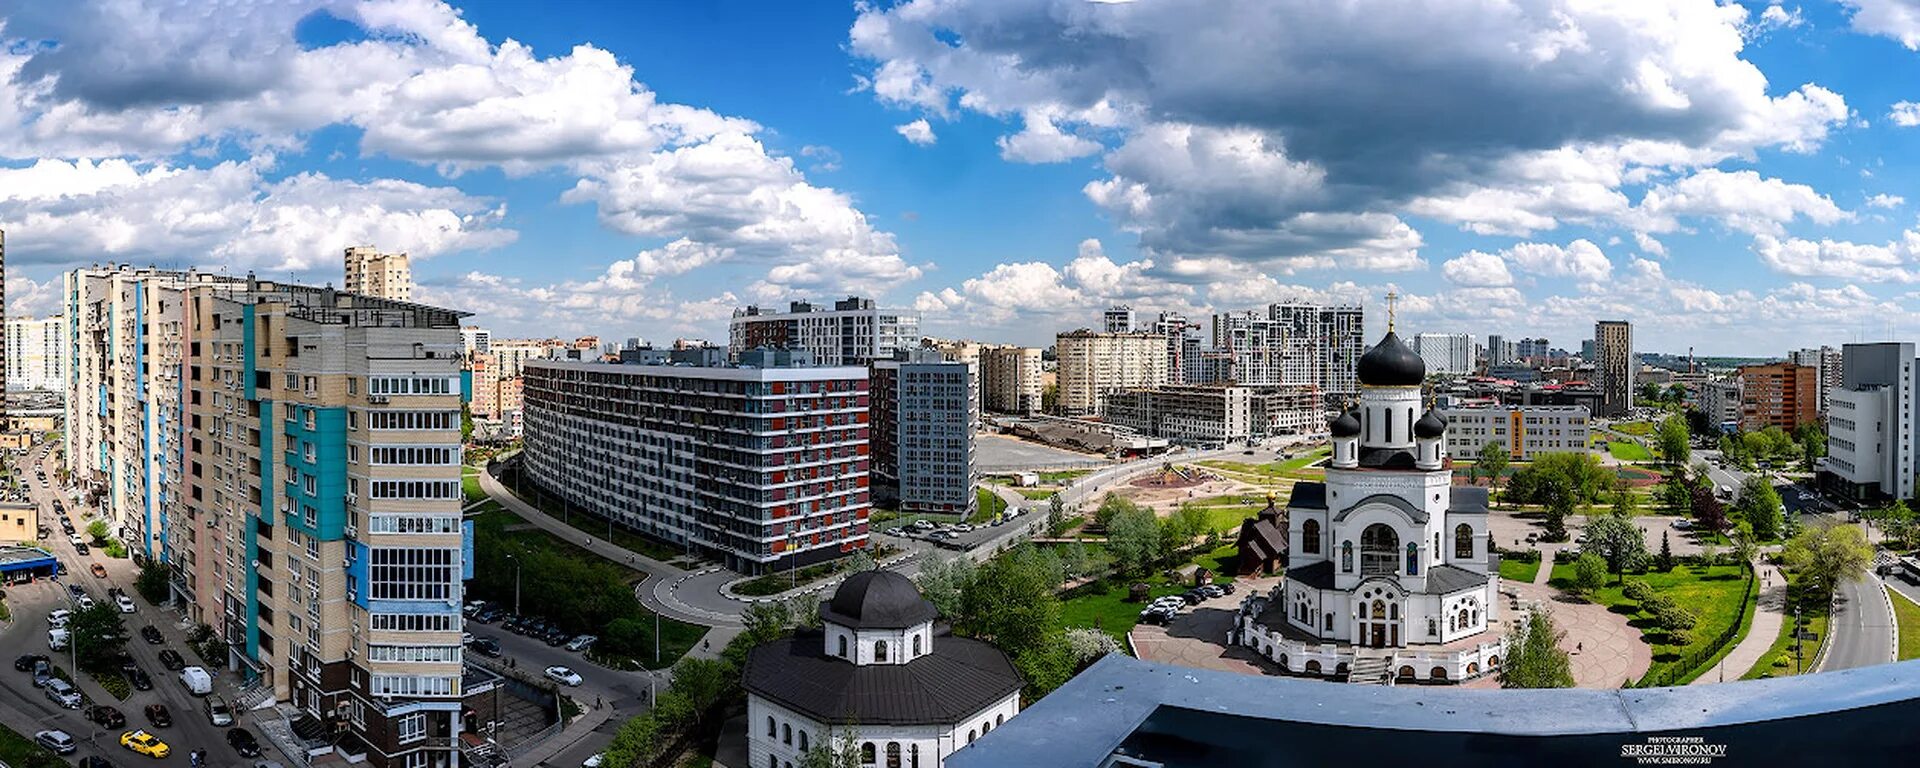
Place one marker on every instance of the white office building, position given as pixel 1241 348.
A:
pixel 1446 353
pixel 1871 425
pixel 1526 431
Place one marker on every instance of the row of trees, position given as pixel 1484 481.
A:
pixel 1758 508
pixel 1562 483
pixel 1898 522
pixel 1013 602
pixel 1803 445
pixel 1141 541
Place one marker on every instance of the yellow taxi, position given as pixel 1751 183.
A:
pixel 144 743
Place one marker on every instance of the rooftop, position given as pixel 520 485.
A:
pixel 956 679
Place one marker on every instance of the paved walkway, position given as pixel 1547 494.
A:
pixel 1545 574
pixel 1605 650
pixel 1767 620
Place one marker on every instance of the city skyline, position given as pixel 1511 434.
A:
pixel 1726 173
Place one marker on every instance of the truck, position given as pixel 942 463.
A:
pixel 197 681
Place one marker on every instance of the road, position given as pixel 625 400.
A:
pixel 26 709
pixel 627 694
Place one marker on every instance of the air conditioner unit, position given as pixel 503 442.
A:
pixel 353 531
pixel 353 498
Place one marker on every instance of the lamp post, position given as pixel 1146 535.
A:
pixel 516 583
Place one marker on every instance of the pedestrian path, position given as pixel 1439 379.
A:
pixel 1767 620
pixel 1545 573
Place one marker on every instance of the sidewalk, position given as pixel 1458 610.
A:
pixel 1767 620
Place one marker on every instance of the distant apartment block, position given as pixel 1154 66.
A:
pixel 854 331
pixel 1094 364
pixel 36 354
pixel 759 466
pixel 1011 379
pixel 1828 375
pixel 1121 318
pixel 1185 341
pixel 1614 366
pixel 1720 403
pixel 967 352
pixel 1526 432
pixel 1447 354
pixel 923 430
pixel 1780 395
pixel 1202 414
pixel 380 275
pixel 475 340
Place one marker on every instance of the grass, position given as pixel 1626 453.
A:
pixel 115 684
pixel 592 525
pixel 1626 451
pixel 1519 570
pixel 1907 614
pixel 1055 478
pixel 1778 661
pixel 1104 605
pixel 1036 494
pixel 1295 467
pixel 1712 594
pixel 776 583
pixel 1635 428
pixel 20 751
pixel 470 484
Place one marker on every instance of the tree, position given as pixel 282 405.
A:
pixel 943 580
pixel 1579 475
pixel 860 560
pixel 98 530
pixel 1534 656
pixel 1759 505
pixel 1179 529
pixel 1676 492
pixel 99 637
pixel 466 424
pixel 1010 602
pixel 153 580
pixel 1111 507
pixel 841 751
pixel 1746 545
pixel 1134 538
pixel 1707 510
pixel 1615 538
pixel 1492 461
pixel 1664 562
pixel 1825 557
pixel 1086 646
pixel 1589 573
pixel 1675 444
pixel 1056 512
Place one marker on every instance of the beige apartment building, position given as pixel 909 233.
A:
pixel 1011 379
pixel 1094 364
pixel 380 275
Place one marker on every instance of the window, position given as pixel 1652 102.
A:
pixel 413 420
pixel 413 573
pixel 893 754
pixel 916 646
pixel 431 455
pixel 786 733
pixel 1346 556
pixel 1413 559
pixel 880 650
pixel 1310 537
pixel 803 740
pixel 1379 549
pixel 843 646
pixel 1463 541
pixel 866 753
pixel 416 489
pixel 770 726
pixel 409 385
pixel 413 685
pixel 442 654
pixel 412 727
pixel 388 523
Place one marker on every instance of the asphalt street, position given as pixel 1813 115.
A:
pixel 627 693
pixel 26 709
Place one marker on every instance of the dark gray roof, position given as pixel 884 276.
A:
pixel 1448 579
pixel 1347 425
pixel 878 599
pixel 1263 535
pixel 1308 496
pixel 1387 458
pixel 957 679
pixel 1430 425
pixel 1391 363
pixel 1468 500
pixel 1414 513
pixel 1318 575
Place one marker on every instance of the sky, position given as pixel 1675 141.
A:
pixel 1738 178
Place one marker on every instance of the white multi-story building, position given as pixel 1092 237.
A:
pixel 380 275
pixel 877 670
pixel 510 354
pixel 1093 364
pixel 854 331
pixel 1871 451
pixel 1526 431
pixel 1121 318
pixel 1720 402
pixel 1011 379
pixel 37 354
pixel 1208 414
pixel 475 339
pixel 1184 344
pixel 1447 354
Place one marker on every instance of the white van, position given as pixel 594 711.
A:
pixel 197 681
pixel 59 617
pixel 57 638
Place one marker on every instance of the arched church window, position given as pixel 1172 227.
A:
pixel 1346 556
pixel 1463 541
pixel 1389 436
pixel 1363 610
pixel 1393 611
pixel 867 753
pixel 1310 537
pixel 880 650
pixel 1413 559
pixel 843 646
pixel 1453 624
pixel 893 754
pixel 1379 550
pixel 1463 619
pixel 916 646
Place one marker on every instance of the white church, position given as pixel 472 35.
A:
pixel 1389 576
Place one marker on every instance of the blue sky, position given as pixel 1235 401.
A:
pixel 1731 177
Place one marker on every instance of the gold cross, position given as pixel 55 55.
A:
pixel 1391 297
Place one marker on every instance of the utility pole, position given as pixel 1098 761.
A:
pixel 516 583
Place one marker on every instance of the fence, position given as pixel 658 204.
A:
pixel 1698 658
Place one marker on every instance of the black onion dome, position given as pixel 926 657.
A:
pixel 1347 425
pixel 1392 363
pixel 1430 425
pixel 878 599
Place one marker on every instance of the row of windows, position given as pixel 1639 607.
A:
pixel 415 622
pixel 413 685
pixel 416 489
pixel 413 573
pixel 414 454
pixel 411 385
pixel 409 653
pixel 426 420
pixel 382 523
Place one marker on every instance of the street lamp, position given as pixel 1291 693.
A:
pixel 516 583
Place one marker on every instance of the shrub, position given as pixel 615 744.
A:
pixel 1636 590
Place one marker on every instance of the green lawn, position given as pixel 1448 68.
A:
pixel 1295 467
pixel 1519 570
pixel 20 752
pixel 1779 661
pixel 594 526
pixel 1055 478
pixel 1036 494
pixel 1626 451
pixel 990 506
pixel 1908 615
pixel 1104 605
pixel 1635 428
pixel 470 484
pixel 1714 596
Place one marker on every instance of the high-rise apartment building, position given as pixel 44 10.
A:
pixel 1446 353
pixel 922 438
pixel 967 352
pixel 1292 344
pixel 475 339
pixel 36 354
pixel 1780 395
pixel 1502 351
pixel 1120 318
pixel 1720 402
pixel 6 364
pixel 1533 350
pixel 1216 415
pixel 294 454
pixel 760 466
pixel 854 332
pixel 1614 366
pixel 511 353
pixel 1093 364
pixel 1184 344
pixel 1872 424
pixel 1010 379
pixel 380 275
pixel 1828 374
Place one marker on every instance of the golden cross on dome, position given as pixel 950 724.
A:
pixel 1391 297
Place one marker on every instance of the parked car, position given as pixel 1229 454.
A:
pixel 25 663
pixel 487 646
pixel 57 639
pixel 581 643
pixel 124 603
pixel 1682 524
pixel 563 675
pixel 99 570
pixel 171 660
pixel 93 761
pixel 74 538
pixel 243 742
pixel 158 715
pixel 151 634
pixel 63 693
pixel 82 549
pixel 59 617
pixel 107 717
pixel 557 637
pixel 55 740
pixel 42 672
pixel 140 681
pixel 218 713
pixel 83 601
